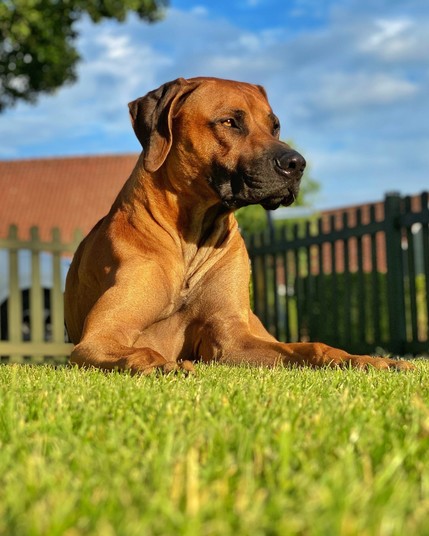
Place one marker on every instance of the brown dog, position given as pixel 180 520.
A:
pixel 164 277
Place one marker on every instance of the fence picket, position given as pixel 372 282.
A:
pixel 284 331
pixel 362 328
pixel 275 293
pixel 320 287
pixel 36 291
pixel 410 278
pixel 375 286
pixel 347 286
pixel 395 274
pixel 425 249
pixel 334 286
pixel 15 298
pixel 298 284
pixel 57 306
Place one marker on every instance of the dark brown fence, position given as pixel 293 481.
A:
pixel 357 278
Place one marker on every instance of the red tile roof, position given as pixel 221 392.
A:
pixel 69 193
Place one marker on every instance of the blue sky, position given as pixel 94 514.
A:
pixel 349 80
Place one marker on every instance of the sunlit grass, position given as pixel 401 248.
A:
pixel 226 451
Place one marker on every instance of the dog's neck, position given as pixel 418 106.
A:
pixel 201 222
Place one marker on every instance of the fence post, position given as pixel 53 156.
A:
pixel 395 273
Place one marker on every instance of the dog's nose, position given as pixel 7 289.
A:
pixel 290 163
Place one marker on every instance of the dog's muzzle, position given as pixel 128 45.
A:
pixel 271 179
pixel 287 167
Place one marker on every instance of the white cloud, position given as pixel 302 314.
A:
pixel 199 10
pixel 115 47
pixel 250 42
pixel 342 91
pixel 391 39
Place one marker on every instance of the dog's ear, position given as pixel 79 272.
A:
pixel 262 90
pixel 151 117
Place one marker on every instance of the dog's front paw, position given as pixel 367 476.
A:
pixel 170 367
pixel 382 363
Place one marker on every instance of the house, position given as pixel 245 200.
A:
pixel 70 193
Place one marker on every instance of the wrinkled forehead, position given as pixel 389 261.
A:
pixel 212 96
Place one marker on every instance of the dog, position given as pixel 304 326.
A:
pixel 163 280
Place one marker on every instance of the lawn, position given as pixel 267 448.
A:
pixel 227 451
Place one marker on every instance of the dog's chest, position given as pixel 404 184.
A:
pixel 200 258
pixel 196 275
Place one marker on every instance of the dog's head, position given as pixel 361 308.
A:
pixel 222 133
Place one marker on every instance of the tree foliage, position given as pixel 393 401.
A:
pixel 38 41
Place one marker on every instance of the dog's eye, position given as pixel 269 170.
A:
pixel 229 123
pixel 276 129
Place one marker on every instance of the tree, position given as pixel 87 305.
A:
pixel 37 41
pixel 254 218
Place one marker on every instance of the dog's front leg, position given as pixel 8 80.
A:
pixel 254 351
pixel 249 343
pixel 108 354
pixel 113 335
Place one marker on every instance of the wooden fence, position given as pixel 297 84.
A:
pixel 32 276
pixel 357 279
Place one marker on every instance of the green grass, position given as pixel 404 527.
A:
pixel 227 451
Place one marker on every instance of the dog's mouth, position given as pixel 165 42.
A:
pixel 272 203
pixel 235 200
pixel 268 203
